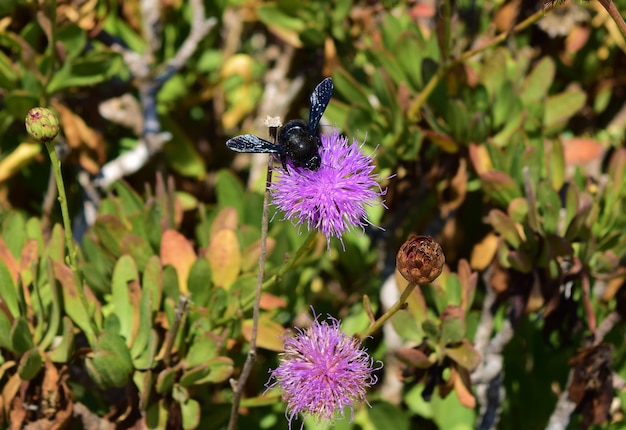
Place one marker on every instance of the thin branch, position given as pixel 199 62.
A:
pixel 615 15
pixel 251 358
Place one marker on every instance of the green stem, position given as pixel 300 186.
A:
pixel 376 325
pixel 421 98
pixel 69 242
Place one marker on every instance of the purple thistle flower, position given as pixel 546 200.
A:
pixel 332 198
pixel 322 371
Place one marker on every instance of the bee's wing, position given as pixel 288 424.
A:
pixel 319 101
pixel 252 143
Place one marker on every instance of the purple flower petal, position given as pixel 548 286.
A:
pixel 333 198
pixel 322 371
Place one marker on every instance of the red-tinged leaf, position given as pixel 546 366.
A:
pixel 250 255
pixel 224 257
pixel 72 303
pixel 178 252
pixel 462 387
pixel 9 261
pixel 452 325
pixel 504 226
pixel 500 187
pixel 110 231
pixel 270 302
pixel 414 357
pixel 520 261
pixel 226 219
pixel 518 210
pixel 444 141
pixel 480 158
pixel 468 284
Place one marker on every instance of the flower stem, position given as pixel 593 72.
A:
pixel 376 325
pixel 69 242
pixel 251 358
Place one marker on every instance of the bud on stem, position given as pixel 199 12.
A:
pixel 42 124
pixel 420 259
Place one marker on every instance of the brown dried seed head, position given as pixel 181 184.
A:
pixel 420 259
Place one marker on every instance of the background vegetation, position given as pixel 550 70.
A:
pixel 500 125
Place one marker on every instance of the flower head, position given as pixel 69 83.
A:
pixel 42 124
pixel 322 371
pixel 332 198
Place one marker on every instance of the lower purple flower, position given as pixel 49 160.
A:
pixel 333 198
pixel 322 371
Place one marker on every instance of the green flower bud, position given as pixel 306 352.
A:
pixel 42 124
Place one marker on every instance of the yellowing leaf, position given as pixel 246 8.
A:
pixel 224 257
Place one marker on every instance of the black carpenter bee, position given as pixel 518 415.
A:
pixel 298 139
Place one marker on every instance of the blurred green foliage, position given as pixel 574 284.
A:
pixel 512 156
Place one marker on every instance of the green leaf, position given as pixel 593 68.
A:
pixel 500 187
pixel 62 352
pixel 152 281
pixel 221 368
pixel 272 15
pixel 140 342
pixel 193 375
pixel 407 327
pixel 14 233
pixel 198 282
pixel 452 325
pixel 561 107
pixel 537 83
pixel 146 360
pixel 431 329
pixel 229 192
pixel 21 338
pixel 465 355
pixel 111 364
pixel 19 102
pixel 190 410
pixel 383 415
pixel 124 273
pixel 110 232
pixel 181 153
pixel 8 290
pixel 131 202
pixel 504 226
pixel 203 348
pixel 73 39
pixel 165 380
pixel 350 89
pixel 30 364
pixel 137 248
pixel 5 331
pixel 88 70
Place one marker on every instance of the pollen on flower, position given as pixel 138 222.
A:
pixel 334 197
pixel 323 371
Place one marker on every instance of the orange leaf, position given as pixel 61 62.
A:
pixel 178 252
